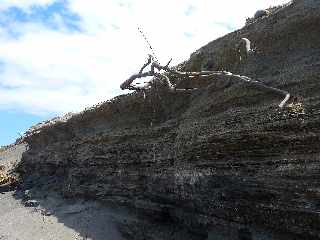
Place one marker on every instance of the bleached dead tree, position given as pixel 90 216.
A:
pixel 162 73
pixel 244 49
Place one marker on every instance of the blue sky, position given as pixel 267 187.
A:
pixel 15 123
pixel 60 56
pixel 42 14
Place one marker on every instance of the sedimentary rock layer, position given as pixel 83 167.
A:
pixel 223 155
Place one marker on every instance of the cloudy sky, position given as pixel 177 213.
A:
pixel 58 56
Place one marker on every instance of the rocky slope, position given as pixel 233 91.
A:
pixel 220 161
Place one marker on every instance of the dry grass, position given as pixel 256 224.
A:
pixel 6 178
pixel 3 175
pixel 296 107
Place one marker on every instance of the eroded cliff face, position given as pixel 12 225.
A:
pixel 222 157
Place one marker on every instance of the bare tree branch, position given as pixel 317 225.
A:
pixel 128 84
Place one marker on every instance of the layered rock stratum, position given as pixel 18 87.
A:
pixel 222 161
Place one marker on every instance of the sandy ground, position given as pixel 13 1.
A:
pixel 54 218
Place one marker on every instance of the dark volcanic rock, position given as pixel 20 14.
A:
pixel 215 158
pixel 31 203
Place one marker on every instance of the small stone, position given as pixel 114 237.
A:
pixel 261 13
pixel 46 213
pixel 26 194
pixel 31 203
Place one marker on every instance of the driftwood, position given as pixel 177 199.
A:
pixel 163 76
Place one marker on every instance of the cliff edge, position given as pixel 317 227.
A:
pixel 223 160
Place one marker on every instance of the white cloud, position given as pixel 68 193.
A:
pixel 48 70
